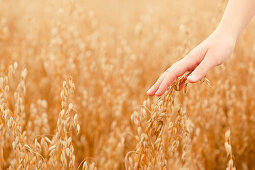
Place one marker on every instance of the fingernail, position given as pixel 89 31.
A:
pixel 192 78
pixel 149 91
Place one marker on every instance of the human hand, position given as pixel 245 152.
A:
pixel 210 53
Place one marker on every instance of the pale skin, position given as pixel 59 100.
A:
pixel 213 51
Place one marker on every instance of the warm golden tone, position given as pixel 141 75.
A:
pixel 73 82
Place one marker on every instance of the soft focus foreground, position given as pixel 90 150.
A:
pixel 73 77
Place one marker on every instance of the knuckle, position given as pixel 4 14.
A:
pixel 217 61
pixel 192 52
pixel 172 66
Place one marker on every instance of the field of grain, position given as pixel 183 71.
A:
pixel 73 82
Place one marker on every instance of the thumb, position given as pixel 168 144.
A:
pixel 201 70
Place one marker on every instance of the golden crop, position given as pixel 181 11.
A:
pixel 73 77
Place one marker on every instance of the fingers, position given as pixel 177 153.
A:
pixel 155 87
pixel 188 63
pixel 183 66
pixel 207 63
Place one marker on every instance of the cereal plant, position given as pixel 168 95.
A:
pixel 73 81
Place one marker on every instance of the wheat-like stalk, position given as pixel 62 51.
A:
pixel 113 52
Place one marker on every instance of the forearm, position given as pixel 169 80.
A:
pixel 236 17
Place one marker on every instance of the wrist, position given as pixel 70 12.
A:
pixel 229 31
pixel 227 34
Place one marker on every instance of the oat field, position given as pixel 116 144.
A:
pixel 73 82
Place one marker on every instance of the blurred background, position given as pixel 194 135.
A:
pixel 73 82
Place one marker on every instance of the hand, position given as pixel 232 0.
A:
pixel 210 53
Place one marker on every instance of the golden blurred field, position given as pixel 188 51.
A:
pixel 73 82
